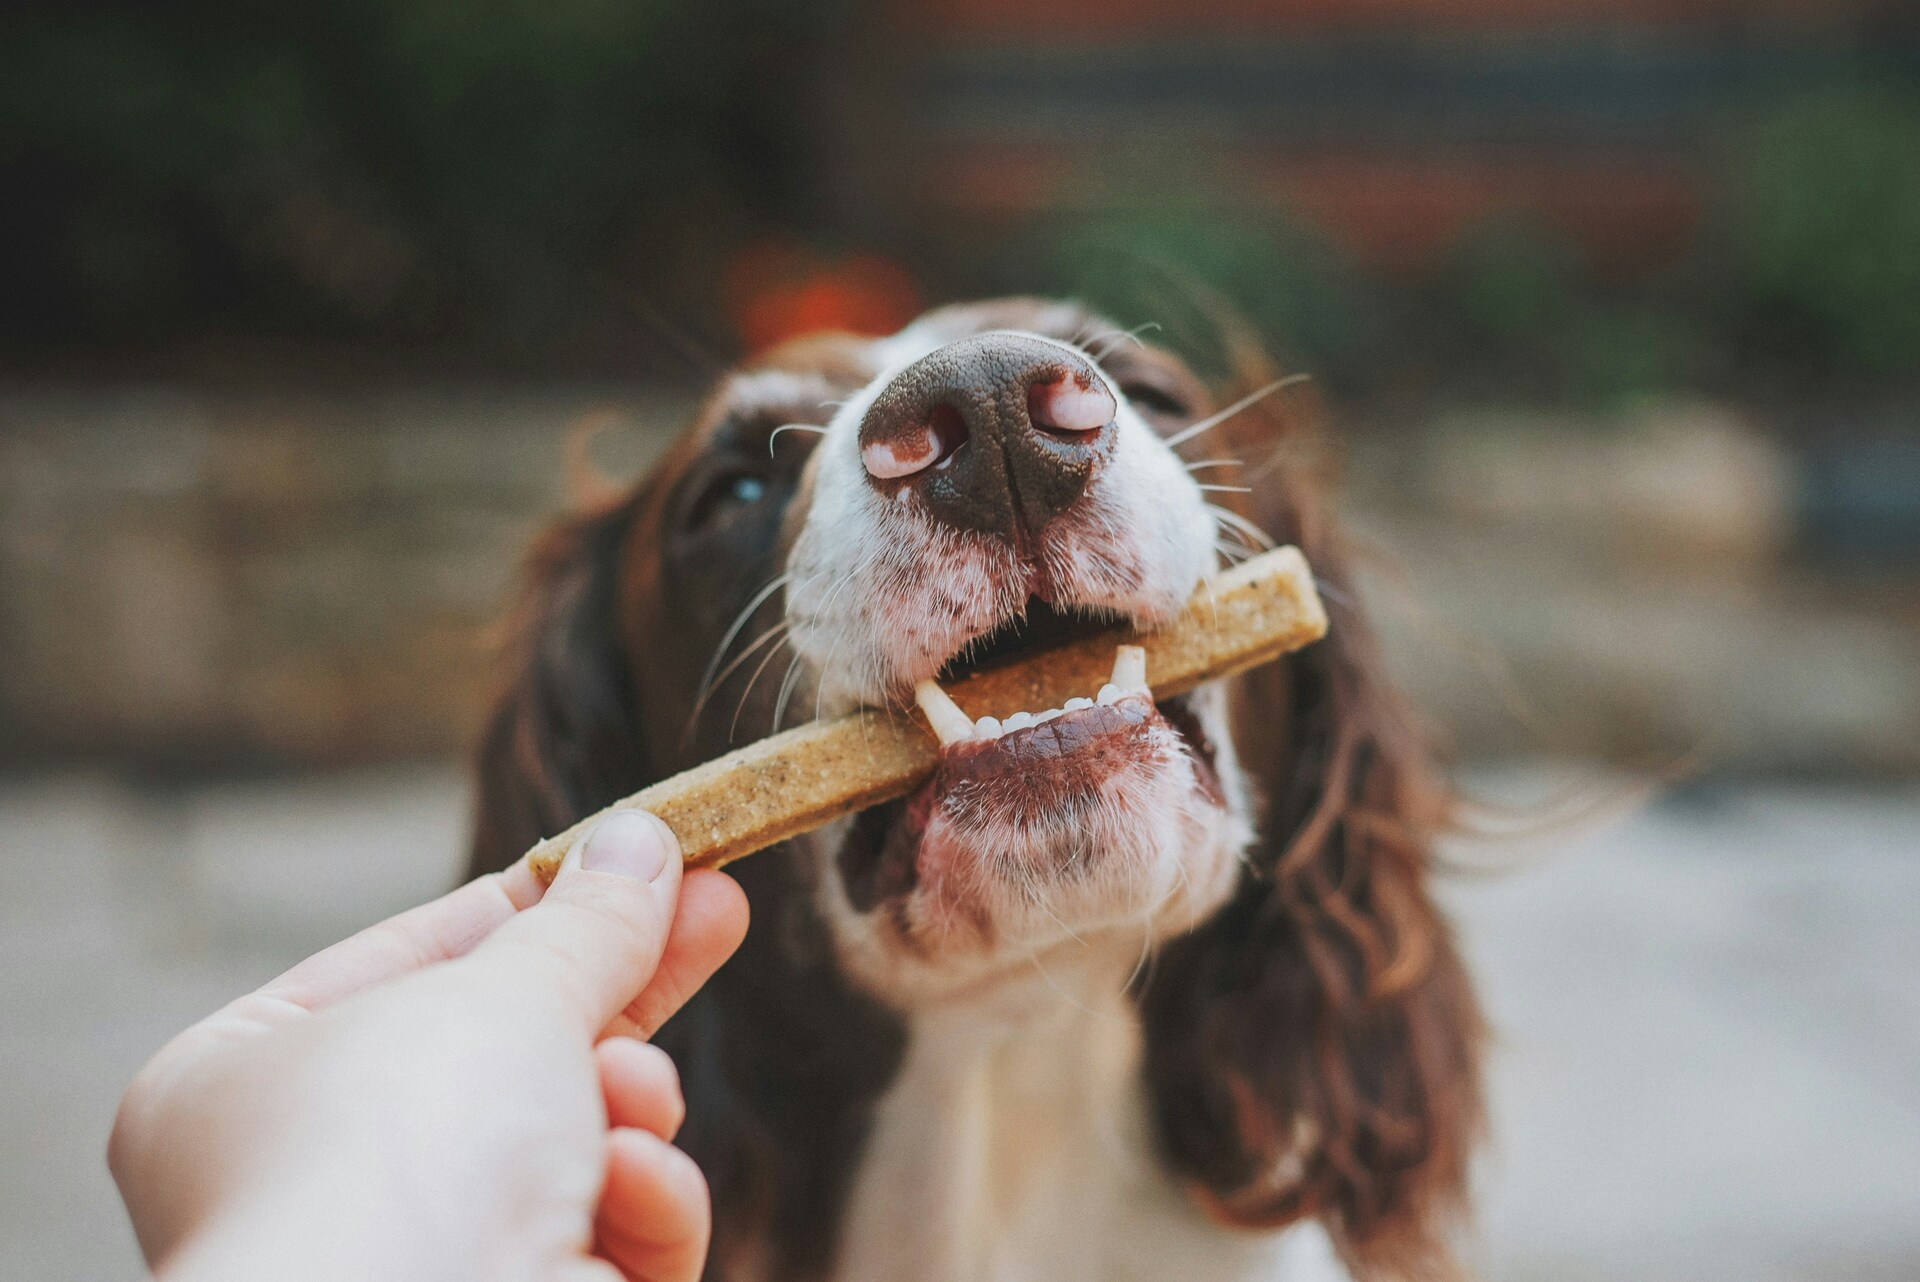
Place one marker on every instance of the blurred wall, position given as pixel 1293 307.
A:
pixel 193 578
pixel 1393 127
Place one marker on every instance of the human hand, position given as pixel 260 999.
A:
pixel 457 1092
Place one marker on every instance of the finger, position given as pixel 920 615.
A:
pixel 655 1214
pixel 595 939
pixel 641 1086
pixel 448 927
pixel 707 927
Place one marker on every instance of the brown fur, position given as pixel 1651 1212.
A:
pixel 1326 1003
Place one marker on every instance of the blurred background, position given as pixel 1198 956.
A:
pixel 1615 305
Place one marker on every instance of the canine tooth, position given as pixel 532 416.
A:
pixel 1129 668
pixel 950 725
pixel 987 728
pixel 1109 693
pixel 1018 721
pixel 1074 705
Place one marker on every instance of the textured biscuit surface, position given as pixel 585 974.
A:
pixel 797 780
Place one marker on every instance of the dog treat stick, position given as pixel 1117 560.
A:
pixel 802 778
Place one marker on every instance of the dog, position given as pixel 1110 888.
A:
pixel 1161 997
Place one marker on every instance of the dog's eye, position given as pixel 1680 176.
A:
pixel 724 495
pixel 1150 398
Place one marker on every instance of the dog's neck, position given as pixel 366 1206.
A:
pixel 1014 1144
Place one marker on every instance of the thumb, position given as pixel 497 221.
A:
pixel 596 937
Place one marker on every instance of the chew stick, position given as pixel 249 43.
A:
pixel 795 781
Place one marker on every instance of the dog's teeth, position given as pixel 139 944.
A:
pixel 1047 716
pixel 1109 693
pixel 950 725
pixel 1074 705
pixel 987 728
pixel 1129 668
pixel 1018 721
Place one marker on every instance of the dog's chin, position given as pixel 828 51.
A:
pixel 1105 829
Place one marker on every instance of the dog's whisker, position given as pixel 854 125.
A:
pixel 1305 453
pixel 1234 553
pixel 1251 398
pixel 1237 524
pixel 1334 593
pixel 1030 884
pixel 1234 538
pixel 1046 978
pixel 758 599
pixel 1143 964
pixel 1113 339
pixel 1215 462
pixel 791 427
pixel 778 631
pixel 786 689
pixel 1225 489
pixel 820 687
pixel 734 725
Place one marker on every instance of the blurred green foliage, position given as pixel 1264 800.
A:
pixel 373 165
pixel 1513 313
pixel 1179 269
pixel 485 173
pixel 1824 230
pixel 1807 262
pixel 1517 296
pixel 1514 281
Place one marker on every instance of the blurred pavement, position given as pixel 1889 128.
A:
pixel 1707 1012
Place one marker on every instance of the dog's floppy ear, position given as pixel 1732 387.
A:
pixel 1312 1049
pixel 564 737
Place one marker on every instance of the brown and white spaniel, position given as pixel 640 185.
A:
pixel 1162 998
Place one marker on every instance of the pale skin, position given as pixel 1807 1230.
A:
pixel 461 1092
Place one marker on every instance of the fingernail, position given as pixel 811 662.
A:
pixel 628 843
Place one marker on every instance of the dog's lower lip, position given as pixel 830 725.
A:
pixel 1060 739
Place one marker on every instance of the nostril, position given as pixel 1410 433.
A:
pixel 916 447
pixel 949 433
pixel 1065 407
pixel 902 455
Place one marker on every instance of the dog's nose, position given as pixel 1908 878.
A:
pixel 998 432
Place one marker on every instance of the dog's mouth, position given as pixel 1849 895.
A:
pixel 1056 758
pixel 1040 789
pixel 1083 726
pixel 1039 626
pixel 1049 758
pixel 1046 752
